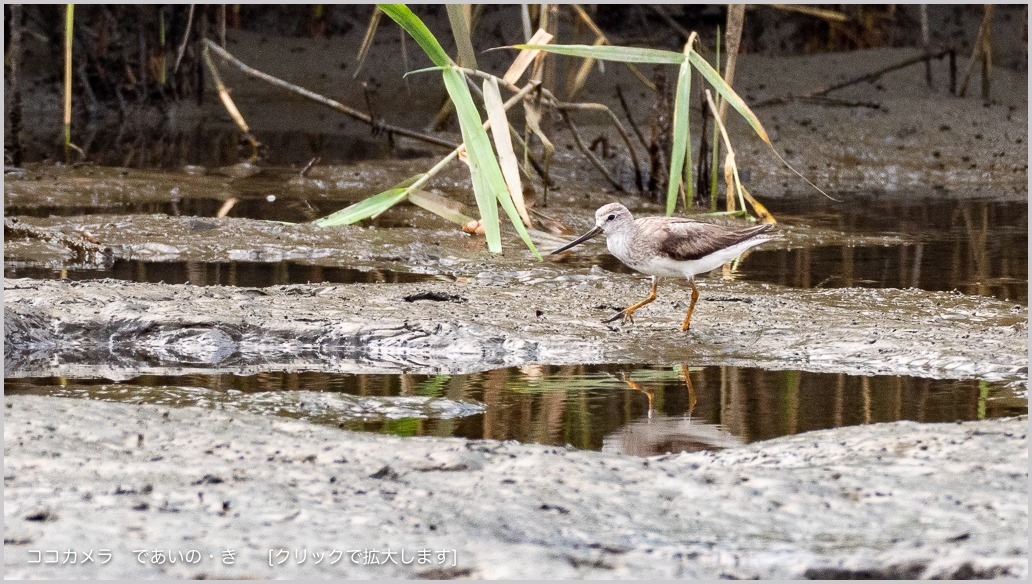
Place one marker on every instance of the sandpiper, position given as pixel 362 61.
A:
pixel 668 247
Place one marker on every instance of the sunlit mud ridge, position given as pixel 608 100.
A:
pixel 866 501
pixel 117 329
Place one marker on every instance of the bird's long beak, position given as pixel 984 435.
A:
pixel 579 240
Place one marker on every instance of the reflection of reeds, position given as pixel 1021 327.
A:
pixel 582 405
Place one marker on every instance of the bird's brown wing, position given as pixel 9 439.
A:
pixel 691 240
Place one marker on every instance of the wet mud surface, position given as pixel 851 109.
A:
pixel 115 329
pixel 828 505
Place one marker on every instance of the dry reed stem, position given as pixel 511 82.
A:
pixel 978 49
pixel 227 100
pixel 733 41
pixel 822 13
pixel 69 27
pixel 367 40
pixel 459 17
pixel 182 44
pixel 731 173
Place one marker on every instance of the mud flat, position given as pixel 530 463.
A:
pixel 116 329
pixel 865 501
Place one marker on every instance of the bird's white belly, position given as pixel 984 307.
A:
pixel 669 268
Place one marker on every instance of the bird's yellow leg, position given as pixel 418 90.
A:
pixel 627 313
pixel 691 307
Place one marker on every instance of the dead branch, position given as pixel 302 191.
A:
pixel 332 104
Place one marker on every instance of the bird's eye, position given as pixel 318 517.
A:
pixel 611 217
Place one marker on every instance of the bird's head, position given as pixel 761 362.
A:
pixel 613 217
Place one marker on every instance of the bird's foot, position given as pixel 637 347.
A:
pixel 685 327
pixel 623 314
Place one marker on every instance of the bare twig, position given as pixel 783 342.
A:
pixel 588 153
pixel 866 77
pixel 953 72
pixel 308 167
pixel 670 20
pixel 182 45
pixel 335 105
pixel 619 128
pixel 630 118
pixel 978 49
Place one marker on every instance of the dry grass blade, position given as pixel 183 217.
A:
pixel 761 211
pixel 977 49
pixel 731 173
pixel 526 57
pixel 730 168
pixel 367 40
pixel 715 153
pixel 503 145
pixel 732 98
pixel 459 19
pixel 577 83
pixel 604 40
pixel 442 207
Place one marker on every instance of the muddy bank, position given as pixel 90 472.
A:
pixel 427 244
pixel 890 135
pixel 864 501
pixel 116 329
